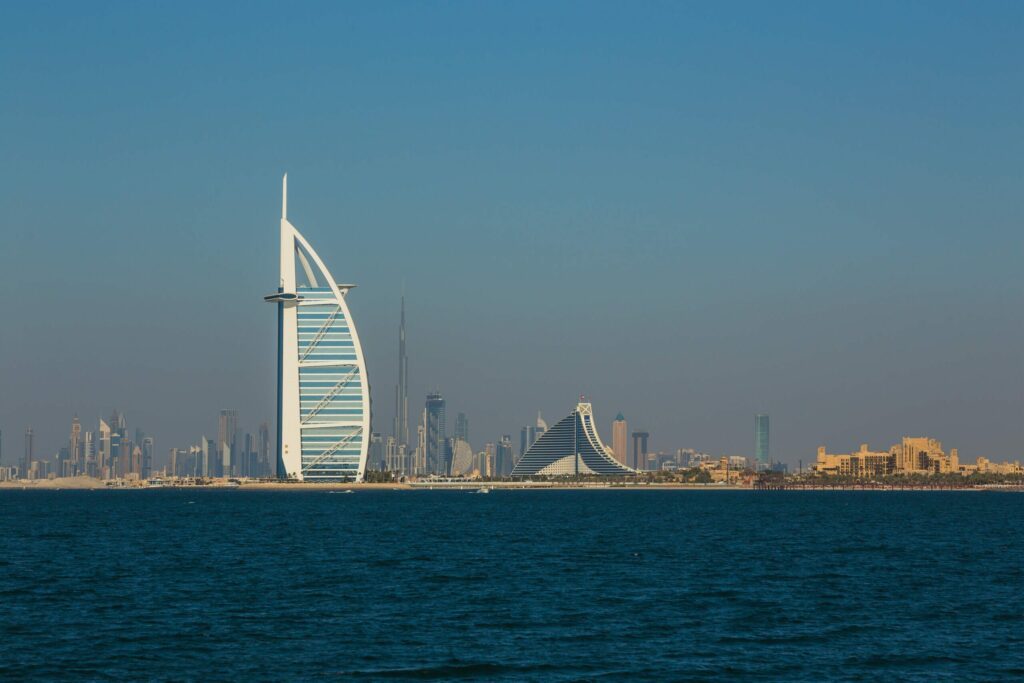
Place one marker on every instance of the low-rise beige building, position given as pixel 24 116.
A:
pixel 913 455
pixel 986 466
pixel 924 455
pixel 724 469
pixel 863 463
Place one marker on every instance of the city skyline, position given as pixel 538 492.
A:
pixel 847 265
pixel 435 459
pixel 392 340
pixel 437 446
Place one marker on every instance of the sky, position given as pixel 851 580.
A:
pixel 687 212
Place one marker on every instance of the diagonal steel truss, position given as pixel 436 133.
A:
pixel 320 334
pixel 333 449
pixel 335 390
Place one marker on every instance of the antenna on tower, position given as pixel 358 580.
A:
pixel 284 197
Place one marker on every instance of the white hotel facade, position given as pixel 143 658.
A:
pixel 323 398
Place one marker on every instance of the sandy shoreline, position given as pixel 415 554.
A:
pixel 80 483
pixel 88 483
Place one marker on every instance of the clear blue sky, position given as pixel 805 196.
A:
pixel 688 212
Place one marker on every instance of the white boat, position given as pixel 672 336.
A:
pixel 483 490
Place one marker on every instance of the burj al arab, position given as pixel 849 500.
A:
pixel 323 398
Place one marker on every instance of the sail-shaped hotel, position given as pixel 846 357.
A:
pixel 571 447
pixel 323 398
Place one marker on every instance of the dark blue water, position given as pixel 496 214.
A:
pixel 515 585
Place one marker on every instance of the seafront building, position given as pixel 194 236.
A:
pixel 986 466
pixel 913 455
pixel 726 469
pixel 323 397
pixel 571 447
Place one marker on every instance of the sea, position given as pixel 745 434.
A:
pixel 521 585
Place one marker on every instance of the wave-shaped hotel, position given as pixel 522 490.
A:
pixel 323 398
pixel 571 447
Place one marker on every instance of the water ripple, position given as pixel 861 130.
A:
pixel 518 585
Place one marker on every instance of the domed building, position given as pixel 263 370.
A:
pixel 462 459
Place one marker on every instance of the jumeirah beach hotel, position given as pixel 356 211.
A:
pixel 323 398
pixel 571 447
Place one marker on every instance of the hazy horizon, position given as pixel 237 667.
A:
pixel 689 214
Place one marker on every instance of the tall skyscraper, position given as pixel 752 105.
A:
pixel 762 450
pixel 119 425
pixel 461 427
pixel 228 447
pixel 401 426
pixel 89 455
pixel 437 459
pixel 527 435
pixel 640 450
pixel 115 435
pixel 104 450
pixel 503 461
pixel 147 457
pixel 246 456
pixel 75 446
pixel 206 458
pixel 323 394
pixel 486 465
pixel 135 466
pixel 265 469
pixel 393 461
pixel 375 456
pixel 172 462
pixel 420 456
pixel 620 444
pixel 530 433
pixel 115 455
pixel 29 457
